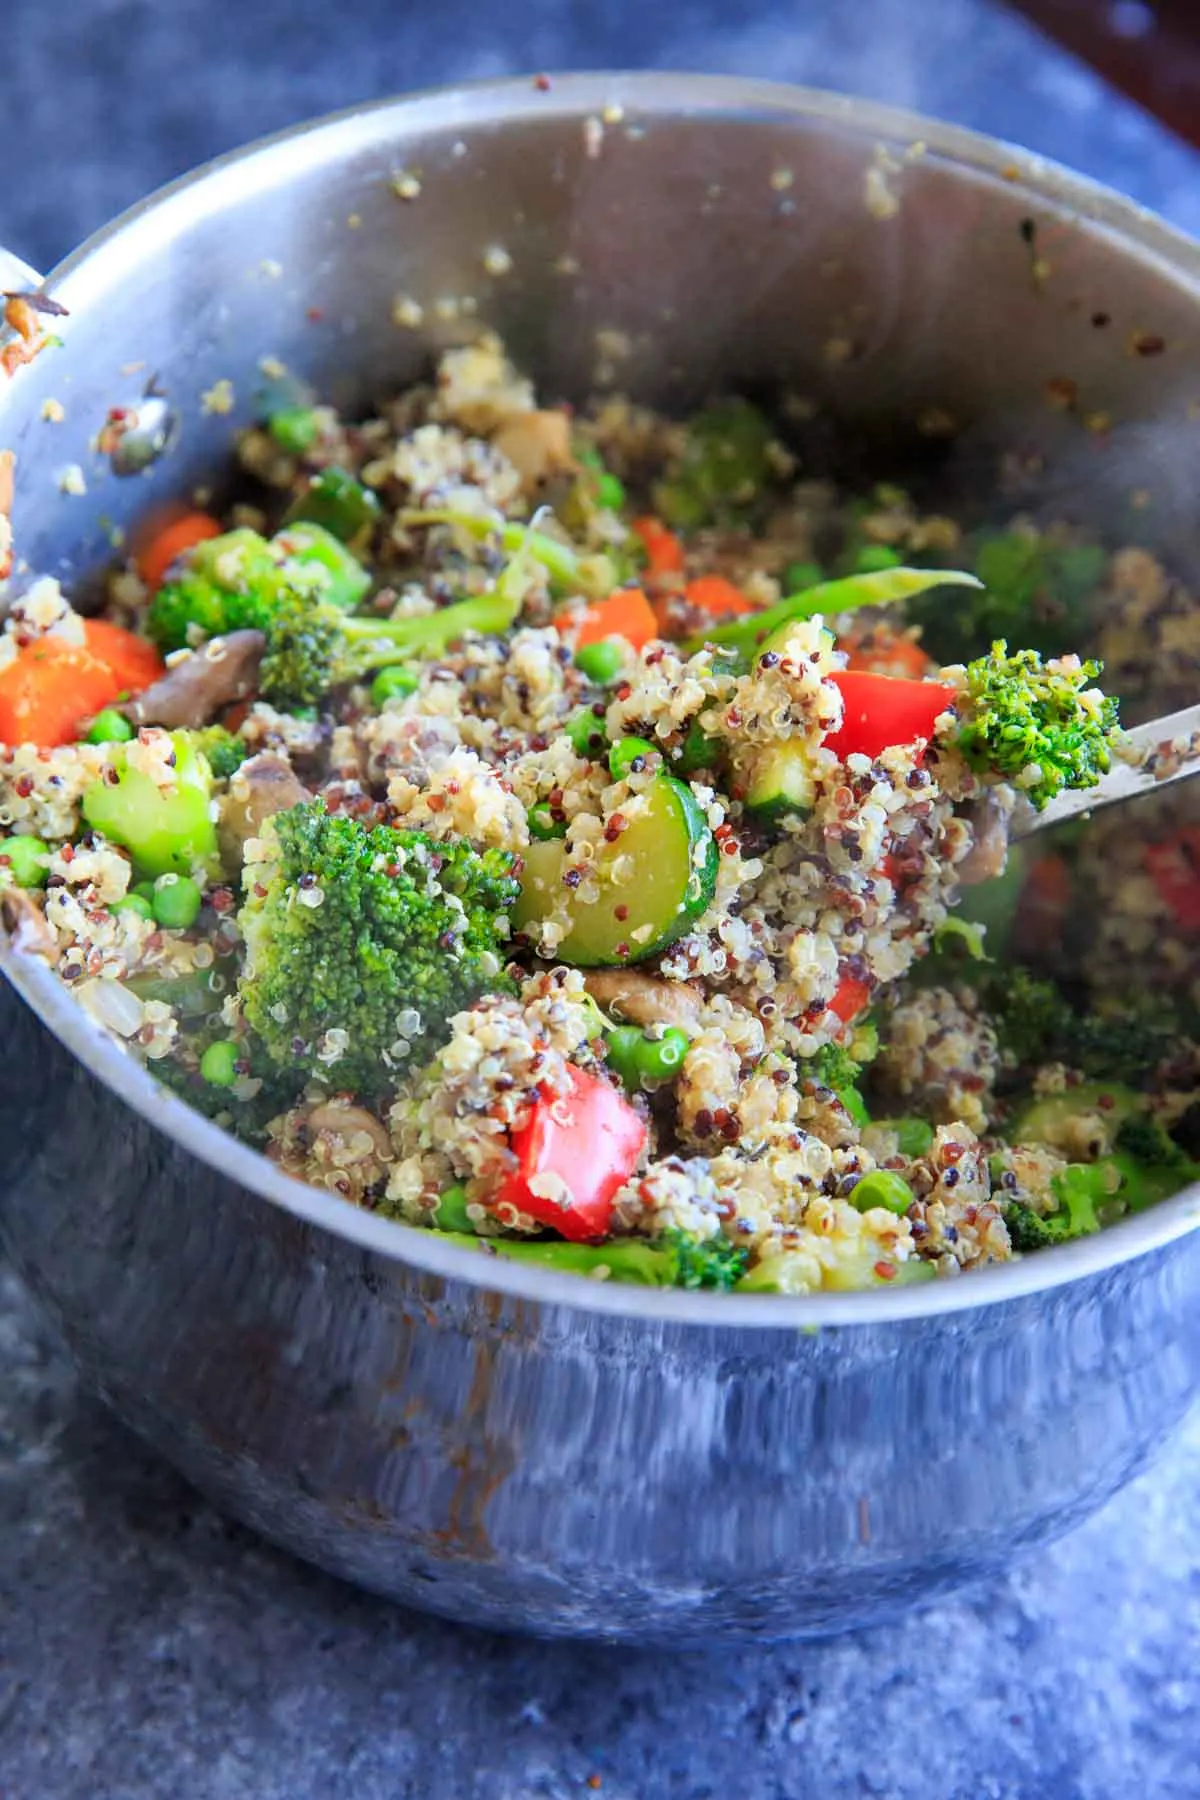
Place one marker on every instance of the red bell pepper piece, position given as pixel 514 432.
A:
pixel 850 999
pixel 1174 867
pixel 573 1155
pixel 881 710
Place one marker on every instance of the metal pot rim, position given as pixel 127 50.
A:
pixel 270 162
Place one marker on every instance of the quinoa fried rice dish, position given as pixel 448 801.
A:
pixel 586 834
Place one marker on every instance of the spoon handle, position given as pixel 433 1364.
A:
pixel 1165 750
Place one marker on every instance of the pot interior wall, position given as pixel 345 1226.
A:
pixel 926 312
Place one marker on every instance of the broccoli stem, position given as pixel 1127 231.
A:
pixel 373 643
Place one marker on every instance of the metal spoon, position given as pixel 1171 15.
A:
pixel 1163 751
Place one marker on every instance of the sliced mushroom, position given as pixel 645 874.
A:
pixel 265 785
pixel 27 925
pixel 645 999
pixel 538 444
pixel 348 1122
pixel 193 692
pixel 986 859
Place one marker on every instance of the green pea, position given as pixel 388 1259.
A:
pixel 542 823
pixel 28 859
pixel 882 1188
pixel 218 1065
pixel 600 662
pixel 658 1059
pixel 451 1214
pixel 610 492
pixel 135 903
pixel 586 733
pixel 109 727
pixel 623 1048
pixel 295 429
pixel 913 1136
pixel 394 683
pixel 176 902
pixel 144 891
pixel 854 1104
pixel 799 576
pixel 871 558
pixel 622 756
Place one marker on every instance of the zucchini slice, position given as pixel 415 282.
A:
pixel 779 784
pixel 660 874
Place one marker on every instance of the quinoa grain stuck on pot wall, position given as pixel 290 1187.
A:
pixel 553 830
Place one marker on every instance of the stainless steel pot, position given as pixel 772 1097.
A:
pixel 499 1444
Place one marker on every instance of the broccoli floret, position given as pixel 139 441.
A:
pixel 1030 1017
pixel 724 468
pixel 223 750
pixel 297 590
pixel 833 1066
pixel 1078 1188
pixel 1034 593
pixel 676 1259
pixel 1146 1139
pixel 1035 1022
pixel 1037 724
pixel 361 944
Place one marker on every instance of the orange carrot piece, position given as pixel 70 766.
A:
pixel 664 552
pixel 132 660
pixel 49 689
pixel 718 597
pixel 162 549
pixel 626 613
pixel 885 654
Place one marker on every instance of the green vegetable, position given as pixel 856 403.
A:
pixel 223 750
pixel 791 1273
pixel 237 582
pixel 882 1188
pixel 295 429
pixel 28 859
pixel 630 753
pixel 801 575
pixel 1034 724
pixel 869 559
pixel 914 1137
pixel 177 902
pixel 1144 1137
pixel 698 751
pixel 314 561
pixel 218 1065
pixel 1033 593
pixel 1053 1118
pixel 135 903
pixel 394 684
pixel 196 995
pixel 607 491
pixel 643 1061
pixel 364 943
pixel 586 732
pixel 754 633
pixel 853 1103
pixel 658 875
pixel 338 503
pixel 451 1213
pixel 1122 1041
pixel 109 727
pixel 568 571
pixel 1078 1189
pixel 724 468
pixel 838 1067
pixel 779 783
pixel 542 823
pixel 673 1260
pixel 601 662
pixel 165 832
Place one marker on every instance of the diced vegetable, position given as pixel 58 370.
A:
pixel 218 1065
pixel 1174 867
pixel 166 832
pixel 310 546
pixel 110 727
pixel 880 711
pixel 171 542
pixel 177 901
pixel 573 1156
pixel 27 859
pixel 295 429
pixel 656 877
pixel 602 661
pixel 51 687
pixel 626 613
pixel 715 595
pixel 779 783
pixel 451 1213
pixel 882 1188
pixel 664 552
pixel 851 998
pixel 766 630
pixel 394 684
pixel 1054 1119
pixel 340 503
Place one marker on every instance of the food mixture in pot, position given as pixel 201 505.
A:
pixel 550 829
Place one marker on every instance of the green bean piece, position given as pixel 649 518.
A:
pixel 882 1188
pixel 601 662
pixel 394 684
pixel 295 429
pixel 451 1214
pixel 177 901
pixel 109 727
pixel 28 859
pixel 218 1065
pixel 626 753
